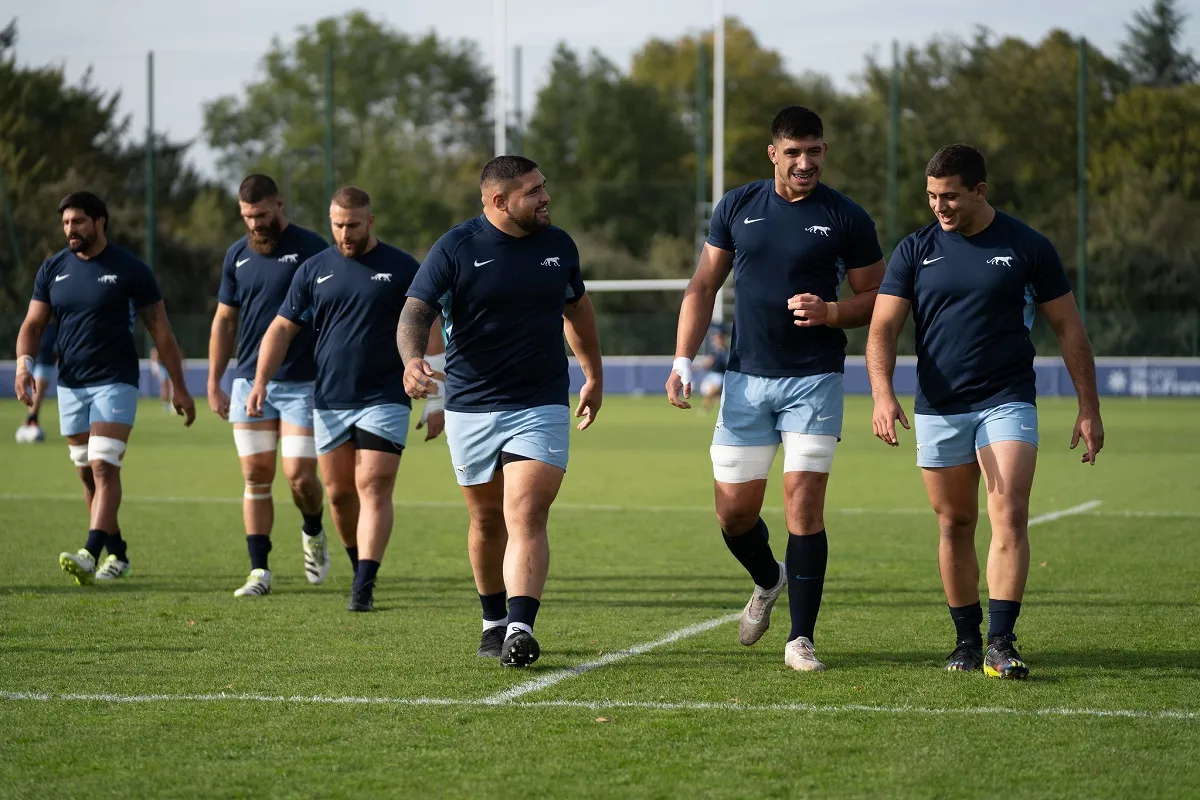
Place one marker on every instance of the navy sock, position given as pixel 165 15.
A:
pixel 494 608
pixel 312 523
pixel 364 575
pixel 522 611
pixel 1002 616
pixel 807 557
pixel 353 553
pixel 32 417
pixel 259 546
pixel 753 552
pixel 967 620
pixel 116 546
pixel 95 542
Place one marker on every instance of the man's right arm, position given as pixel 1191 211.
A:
pixel 29 339
pixel 220 344
pixel 695 315
pixel 412 339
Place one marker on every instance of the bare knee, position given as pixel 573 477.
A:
pixel 341 494
pixel 736 519
pixel 304 483
pixel 103 473
pixel 1010 518
pixel 374 485
pixel 955 521
pixel 488 522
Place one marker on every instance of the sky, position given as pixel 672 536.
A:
pixel 207 49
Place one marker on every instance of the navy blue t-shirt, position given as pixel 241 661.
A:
pixel 782 249
pixel 257 285
pixel 94 302
pixel 48 348
pixel 354 305
pixel 973 300
pixel 502 298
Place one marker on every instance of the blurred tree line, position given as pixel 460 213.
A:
pixel 412 125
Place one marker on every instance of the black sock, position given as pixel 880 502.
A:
pixel 364 575
pixel 259 546
pixel 312 523
pixel 353 553
pixel 1002 616
pixel 967 620
pixel 32 418
pixel 522 610
pixel 494 609
pixel 95 542
pixel 806 560
pixel 754 553
pixel 116 546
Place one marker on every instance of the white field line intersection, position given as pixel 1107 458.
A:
pixel 601 705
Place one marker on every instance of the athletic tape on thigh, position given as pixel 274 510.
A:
pixel 106 449
pixel 739 464
pixel 257 491
pixel 250 441
pixel 298 446
pixel 808 452
pixel 79 454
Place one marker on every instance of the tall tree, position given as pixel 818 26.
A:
pixel 1153 51
pixel 410 124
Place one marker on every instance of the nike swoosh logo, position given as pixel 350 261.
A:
pixel 243 261
pixel 61 278
pixel 322 280
pixel 822 419
pixel 552 450
pixel 481 263
pixel 748 221
pixel 118 411
pixel 931 260
pixel 1026 429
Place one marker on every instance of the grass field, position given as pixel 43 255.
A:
pixel 165 686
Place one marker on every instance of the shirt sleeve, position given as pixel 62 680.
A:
pixel 435 277
pixel 297 306
pixel 720 232
pixel 1047 276
pixel 575 287
pixel 861 244
pixel 900 275
pixel 41 283
pixel 144 290
pixel 227 294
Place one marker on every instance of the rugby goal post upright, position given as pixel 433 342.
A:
pixel 718 126
pixel 499 78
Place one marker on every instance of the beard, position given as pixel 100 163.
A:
pixel 353 248
pixel 82 244
pixel 529 223
pixel 266 240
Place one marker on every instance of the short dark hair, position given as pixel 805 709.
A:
pixel 350 197
pixel 797 123
pixel 503 169
pixel 87 202
pixel 962 160
pixel 257 188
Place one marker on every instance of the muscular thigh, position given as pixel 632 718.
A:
pixel 529 488
pixel 1008 467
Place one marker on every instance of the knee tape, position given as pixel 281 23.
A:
pixel 79 454
pixel 257 491
pixel 734 464
pixel 250 441
pixel 808 452
pixel 103 448
pixel 298 446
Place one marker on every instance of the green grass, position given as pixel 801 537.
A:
pixel 1111 622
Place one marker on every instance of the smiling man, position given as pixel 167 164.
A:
pixel 972 279
pixel 789 241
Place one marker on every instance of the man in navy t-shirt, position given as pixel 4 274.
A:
pixel 351 295
pixel 45 370
pixel 255 279
pixel 972 280
pixel 508 284
pixel 789 241
pixel 95 290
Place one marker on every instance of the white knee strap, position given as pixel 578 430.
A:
pixel 250 441
pixel 735 464
pixel 298 446
pixel 808 452
pixel 79 454
pixel 257 491
pixel 103 448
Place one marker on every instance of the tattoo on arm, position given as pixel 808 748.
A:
pixel 412 332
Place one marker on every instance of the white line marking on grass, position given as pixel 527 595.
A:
pixel 1066 512
pixel 546 681
pixel 1127 713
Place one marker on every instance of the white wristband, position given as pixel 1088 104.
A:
pixel 27 361
pixel 683 367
